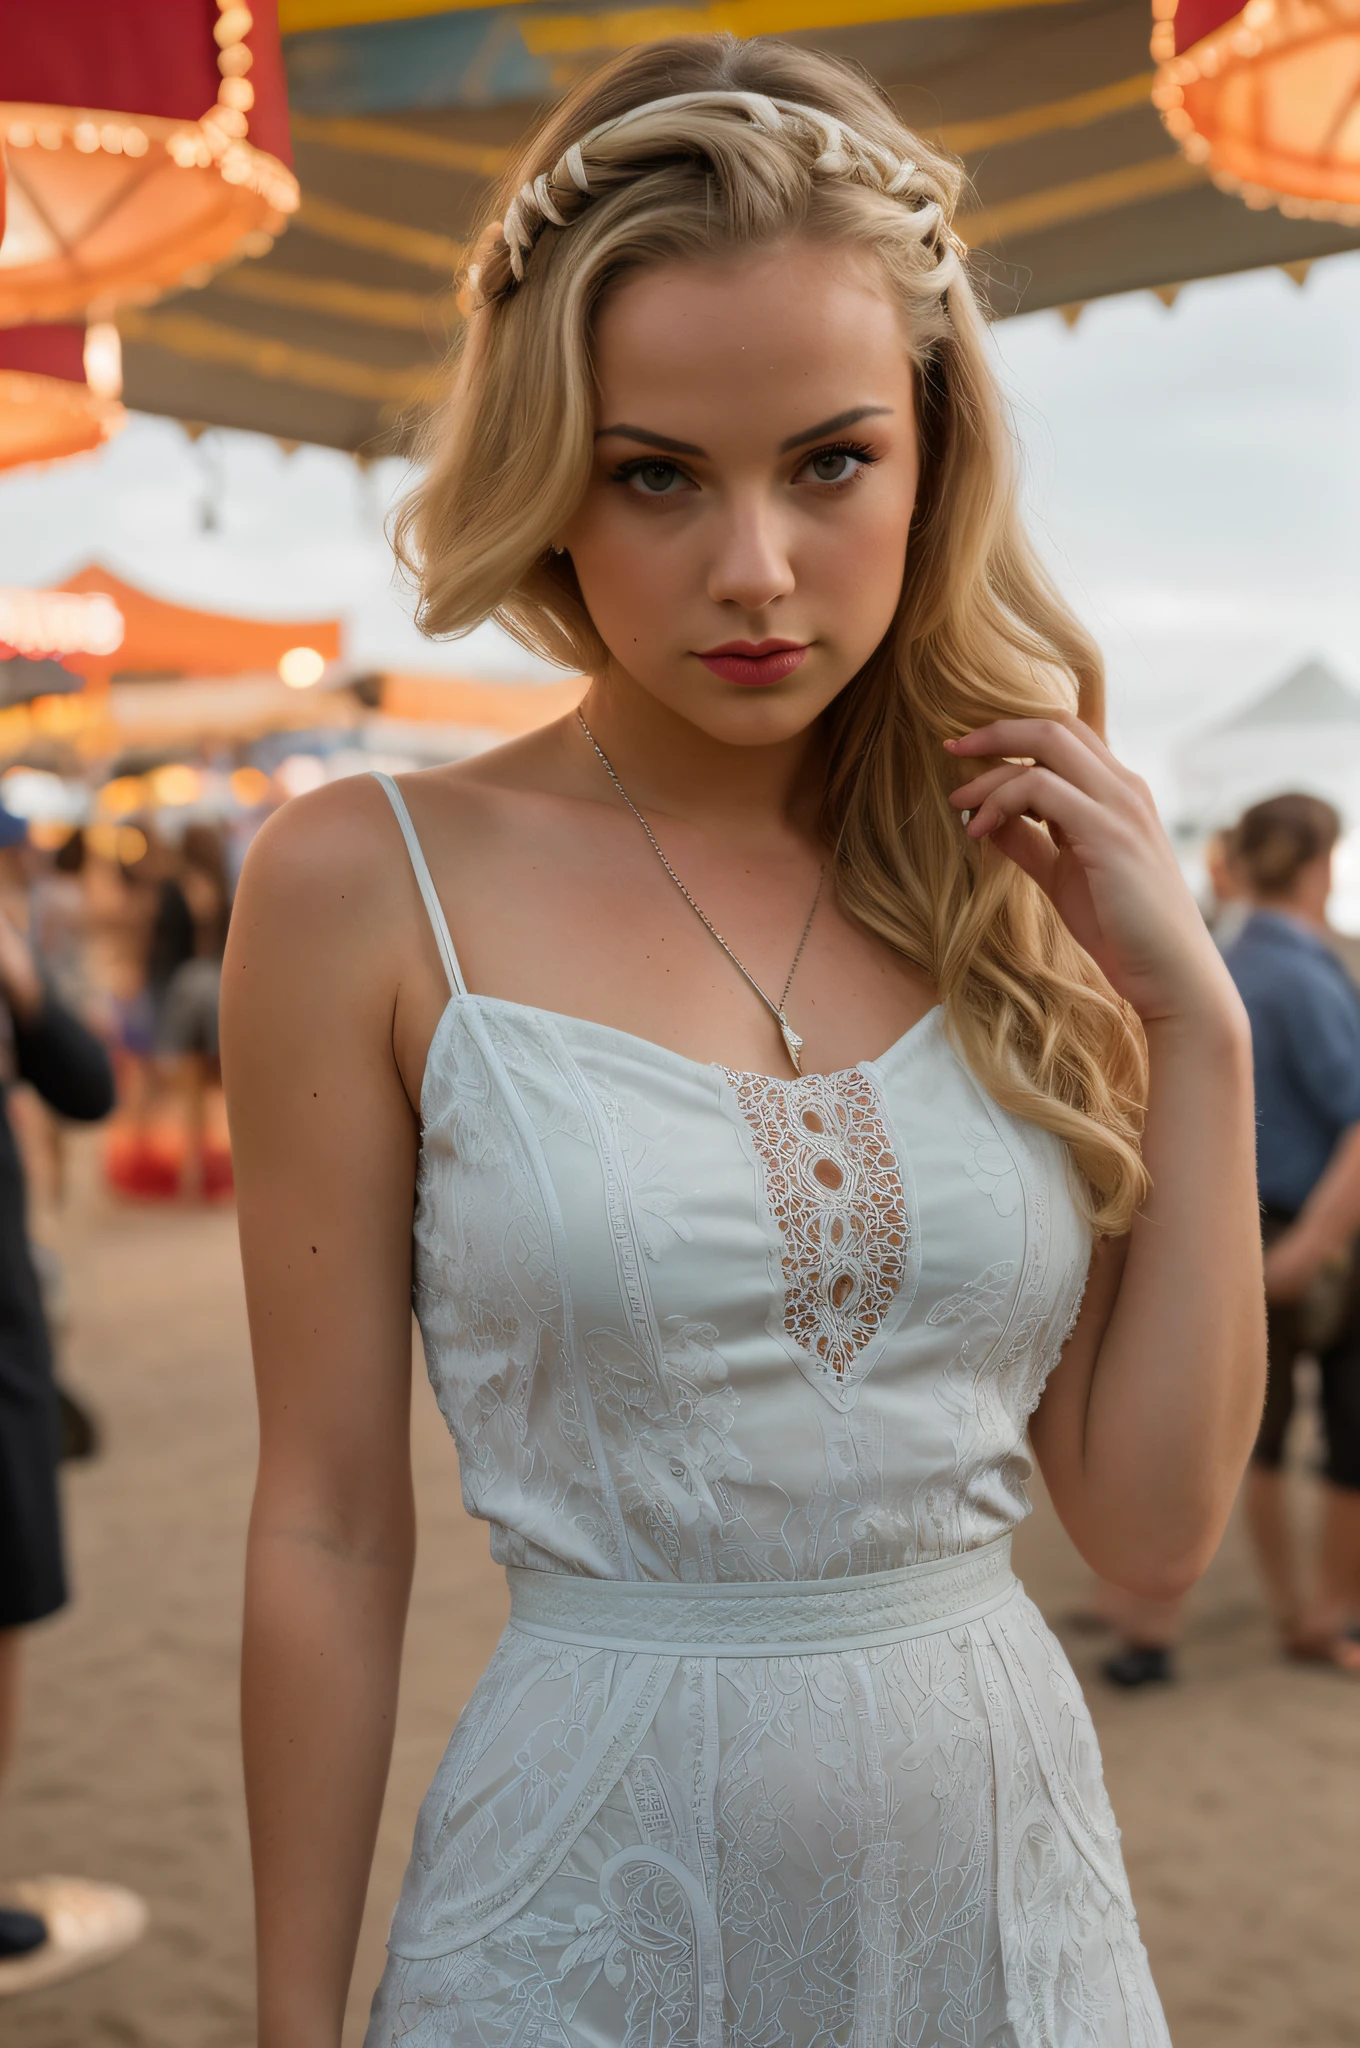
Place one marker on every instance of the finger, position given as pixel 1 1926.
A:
pixel 981 739
pixel 1070 747
pixel 970 795
pixel 1031 847
pixel 1042 794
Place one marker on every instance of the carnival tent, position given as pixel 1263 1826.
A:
pixel 1302 733
pixel 162 642
pixel 403 110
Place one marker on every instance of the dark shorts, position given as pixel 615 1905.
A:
pixel 1339 1371
pixel 32 1578
pixel 188 1015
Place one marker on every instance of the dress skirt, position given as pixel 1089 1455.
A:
pixel 857 1813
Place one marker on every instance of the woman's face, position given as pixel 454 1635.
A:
pixel 741 543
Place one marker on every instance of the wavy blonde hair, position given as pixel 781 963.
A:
pixel 610 184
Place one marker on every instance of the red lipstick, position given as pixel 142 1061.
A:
pixel 754 662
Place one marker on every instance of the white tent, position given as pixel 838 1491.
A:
pixel 1303 733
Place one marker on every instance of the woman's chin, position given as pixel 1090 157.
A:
pixel 744 715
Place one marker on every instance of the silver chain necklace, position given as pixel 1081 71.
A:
pixel 792 1041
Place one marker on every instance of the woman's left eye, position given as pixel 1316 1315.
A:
pixel 836 465
pixel 650 477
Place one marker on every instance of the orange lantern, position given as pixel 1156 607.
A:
pixel 146 143
pixel 58 392
pixel 59 387
pixel 1267 97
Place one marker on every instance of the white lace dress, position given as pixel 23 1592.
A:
pixel 696 1330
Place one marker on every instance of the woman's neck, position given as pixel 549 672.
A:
pixel 671 767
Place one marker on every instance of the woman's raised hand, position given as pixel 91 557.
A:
pixel 1075 819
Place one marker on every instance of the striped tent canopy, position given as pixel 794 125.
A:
pixel 403 109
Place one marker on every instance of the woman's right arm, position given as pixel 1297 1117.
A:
pixel 324 1150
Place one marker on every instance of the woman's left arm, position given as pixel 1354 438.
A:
pixel 1147 1421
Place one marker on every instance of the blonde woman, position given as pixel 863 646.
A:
pixel 772 1055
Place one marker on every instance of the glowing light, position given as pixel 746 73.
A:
pixel 175 785
pixel 1265 99
pixel 60 622
pixel 41 797
pixel 300 667
pixel 123 844
pixel 250 786
pixel 104 360
pixel 299 774
pixel 233 25
pixel 124 794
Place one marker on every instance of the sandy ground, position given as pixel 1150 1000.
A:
pixel 1237 1790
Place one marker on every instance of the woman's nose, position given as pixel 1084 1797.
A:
pixel 750 567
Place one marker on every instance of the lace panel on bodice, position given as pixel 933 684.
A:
pixel 835 1192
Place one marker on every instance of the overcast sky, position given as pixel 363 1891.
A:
pixel 1194 475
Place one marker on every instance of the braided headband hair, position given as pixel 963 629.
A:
pixel 557 197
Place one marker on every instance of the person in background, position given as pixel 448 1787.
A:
pixel 1271 878
pixel 1229 904
pixel 186 1022
pixel 48 1927
pixel 1305 1022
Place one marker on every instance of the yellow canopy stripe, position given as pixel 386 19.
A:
pixel 486 160
pixel 408 145
pixel 571 35
pixel 1079 111
pixel 546 35
pixel 205 341
pixel 1031 212
pixel 337 296
pixel 390 237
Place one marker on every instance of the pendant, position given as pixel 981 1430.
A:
pixel 793 1042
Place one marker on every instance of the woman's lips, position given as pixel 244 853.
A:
pixel 751 665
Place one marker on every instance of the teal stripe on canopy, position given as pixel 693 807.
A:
pixel 464 59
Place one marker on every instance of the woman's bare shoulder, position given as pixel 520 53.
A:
pixel 327 905
pixel 339 844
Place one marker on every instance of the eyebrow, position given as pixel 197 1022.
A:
pixel 650 440
pixel 835 425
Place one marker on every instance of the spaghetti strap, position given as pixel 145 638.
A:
pixel 425 880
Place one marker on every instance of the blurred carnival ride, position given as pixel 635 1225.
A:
pixel 144 146
pixel 151 148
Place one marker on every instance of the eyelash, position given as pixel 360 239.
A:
pixel 865 457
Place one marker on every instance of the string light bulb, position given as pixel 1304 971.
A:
pixel 301 667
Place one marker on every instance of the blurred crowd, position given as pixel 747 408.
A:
pixel 133 947
pixel 110 969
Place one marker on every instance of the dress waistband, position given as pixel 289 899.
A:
pixel 769 1618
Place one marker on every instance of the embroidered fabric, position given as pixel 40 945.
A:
pixel 870 1844
pixel 837 1200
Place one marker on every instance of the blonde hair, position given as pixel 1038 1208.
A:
pixel 662 157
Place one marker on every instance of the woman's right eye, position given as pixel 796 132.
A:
pixel 652 478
